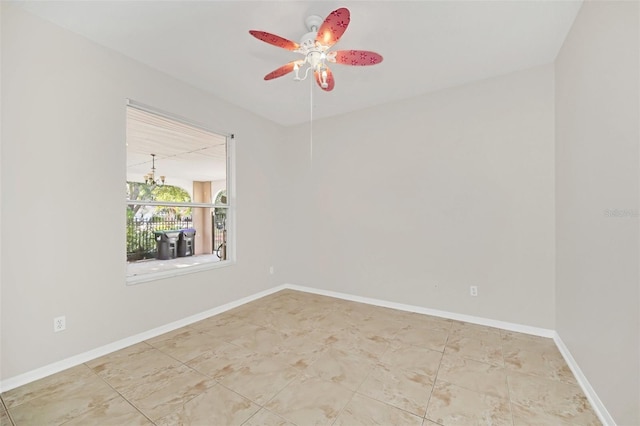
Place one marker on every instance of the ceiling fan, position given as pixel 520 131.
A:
pixel 315 46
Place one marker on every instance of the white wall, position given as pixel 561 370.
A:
pixel 415 201
pixel 597 136
pixel 409 202
pixel 1 201
pixel 63 174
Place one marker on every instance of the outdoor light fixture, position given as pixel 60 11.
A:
pixel 150 178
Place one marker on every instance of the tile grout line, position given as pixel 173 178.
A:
pixel 364 380
pixel 484 362
pixel 6 410
pixel 216 380
pixel 449 332
pixel 119 394
pixel 507 377
pixel 301 373
pixel 260 406
pixel 345 406
pixel 427 329
pixel 264 405
pixel 168 355
pixel 219 383
pixel 177 360
pixel 435 379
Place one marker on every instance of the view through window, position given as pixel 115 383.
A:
pixel 178 208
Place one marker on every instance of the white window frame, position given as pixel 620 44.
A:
pixel 230 206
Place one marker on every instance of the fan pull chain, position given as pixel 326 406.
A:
pixel 311 81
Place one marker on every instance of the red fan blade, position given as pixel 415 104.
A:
pixel 357 57
pixel 333 27
pixel 283 70
pixel 275 40
pixel 330 81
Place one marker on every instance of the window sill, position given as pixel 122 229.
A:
pixel 154 270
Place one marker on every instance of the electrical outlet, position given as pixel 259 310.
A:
pixel 271 270
pixel 473 290
pixel 59 323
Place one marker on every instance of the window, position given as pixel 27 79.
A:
pixel 179 204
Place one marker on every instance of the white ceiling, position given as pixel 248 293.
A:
pixel 426 45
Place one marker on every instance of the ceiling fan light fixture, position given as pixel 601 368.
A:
pixel 324 84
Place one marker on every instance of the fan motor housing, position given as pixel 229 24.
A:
pixel 309 39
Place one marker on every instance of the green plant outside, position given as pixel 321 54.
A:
pixel 141 234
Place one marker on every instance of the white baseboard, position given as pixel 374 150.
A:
pixel 56 367
pixel 64 364
pixel 588 390
pixel 536 331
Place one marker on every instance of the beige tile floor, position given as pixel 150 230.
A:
pixel 293 358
